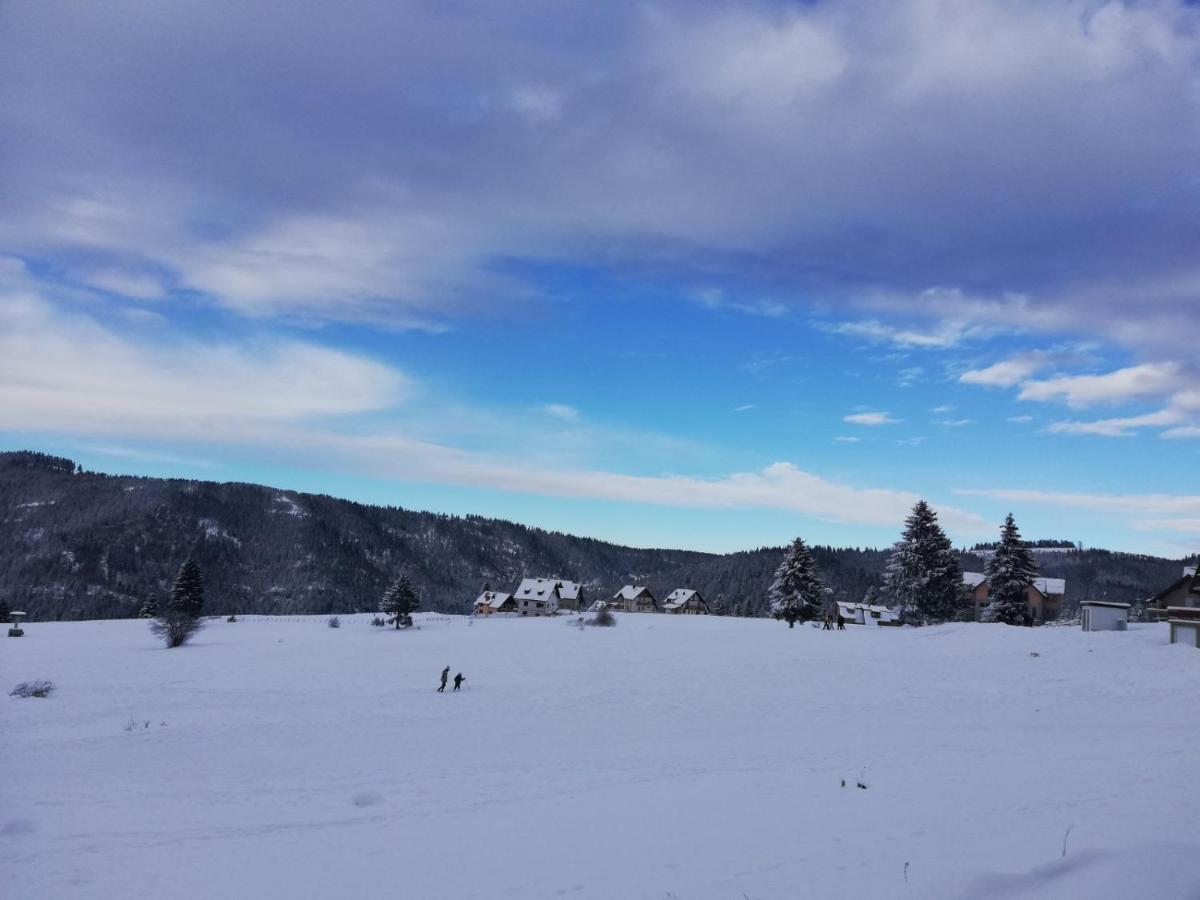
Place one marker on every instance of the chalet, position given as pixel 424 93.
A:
pixel 1043 598
pixel 1185 592
pixel 634 599
pixel 684 601
pixel 1100 615
pixel 537 597
pixel 490 602
pixel 867 614
pixel 570 596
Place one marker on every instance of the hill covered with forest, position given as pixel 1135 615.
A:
pixel 82 545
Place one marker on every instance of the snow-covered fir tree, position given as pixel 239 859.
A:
pixel 1010 571
pixel 187 593
pixel 924 579
pixel 797 593
pixel 150 608
pixel 400 601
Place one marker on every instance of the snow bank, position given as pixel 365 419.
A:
pixel 684 757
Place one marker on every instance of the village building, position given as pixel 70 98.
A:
pixel 537 597
pixel 685 601
pixel 1100 615
pixel 570 596
pixel 1184 592
pixel 867 614
pixel 632 598
pixel 490 602
pixel 1043 598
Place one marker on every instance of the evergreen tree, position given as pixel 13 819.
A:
pixel 400 601
pixel 797 593
pixel 924 580
pixel 5 612
pixel 149 609
pixel 1010 571
pixel 187 593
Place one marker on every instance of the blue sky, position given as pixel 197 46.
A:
pixel 696 275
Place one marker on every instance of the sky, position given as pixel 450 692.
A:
pixel 687 274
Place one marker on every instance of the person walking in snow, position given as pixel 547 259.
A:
pixel 458 680
pixel 445 677
pixel 841 623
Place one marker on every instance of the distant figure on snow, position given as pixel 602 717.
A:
pixel 828 623
pixel 841 623
pixel 458 680
pixel 445 676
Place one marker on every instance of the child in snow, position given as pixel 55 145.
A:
pixel 458 680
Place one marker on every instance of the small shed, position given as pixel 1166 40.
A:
pixel 1185 625
pixel 1100 615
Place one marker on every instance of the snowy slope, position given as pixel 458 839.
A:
pixel 669 757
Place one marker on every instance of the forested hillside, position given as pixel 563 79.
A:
pixel 84 545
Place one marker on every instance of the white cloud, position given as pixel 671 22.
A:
pixel 942 410
pixel 944 335
pixel 561 411
pixel 847 439
pixel 1008 372
pixel 1121 427
pixel 1182 432
pixel 953 423
pixel 1122 385
pixel 745 407
pixel 1155 504
pixel 1020 420
pixel 871 418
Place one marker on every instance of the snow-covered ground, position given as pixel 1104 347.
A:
pixel 665 758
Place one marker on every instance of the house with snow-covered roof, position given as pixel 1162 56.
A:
pixel 570 596
pixel 1184 592
pixel 867 614
pixel 685 601
pixel 1043 598
pixel 537 597
pixel 491 602
pixel 633 598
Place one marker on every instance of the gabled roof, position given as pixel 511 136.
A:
pixel 1049 587
pixel 494 599
pixel 973 579
pixel 569 590
pixel 631 592
pixel 537 589
pixel 680 596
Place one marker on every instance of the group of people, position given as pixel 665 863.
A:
pixel 458 680
pixel 829 619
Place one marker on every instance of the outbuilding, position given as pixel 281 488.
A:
pixel 1185 625
pixel 1100 615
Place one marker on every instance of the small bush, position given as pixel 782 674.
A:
pixel 334 622
pixel 378 622
pixel 39 688
pixel 603 617
pixel 232 618
pixel 175 628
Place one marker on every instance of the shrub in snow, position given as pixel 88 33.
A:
pixel 39 688
pixel 150 608
pixel 232 619
pixel 378 622
pixel 175 628
pixel 603 617
pixel 334 622
pixel 798 593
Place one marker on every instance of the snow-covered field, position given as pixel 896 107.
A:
pixel 667 757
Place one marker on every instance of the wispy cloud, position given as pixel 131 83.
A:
pixel 871 418
pixel 561 411
pixel 745 407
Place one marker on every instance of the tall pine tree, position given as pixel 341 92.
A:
pixel 1010 573
pixel 400 601
pixel 187 593
pixel 797 593
pixel 924 579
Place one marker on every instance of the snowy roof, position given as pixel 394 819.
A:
pixel 1189 571
pixel 494 599
pixel 537 589
pixel 973 579
pixel 1051 586
pixel 1104 603
pixel 681 596
pixel 629 592
pixel 569 590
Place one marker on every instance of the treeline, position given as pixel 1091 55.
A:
pixel 77 545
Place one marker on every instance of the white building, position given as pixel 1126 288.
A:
pixel 632 598
pixel 537 597
pixel 685 601
pixel 1100 615
pixel 1185 625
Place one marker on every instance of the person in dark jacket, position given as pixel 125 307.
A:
pixel 445 677
pixel 458 680
pixel 841 623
